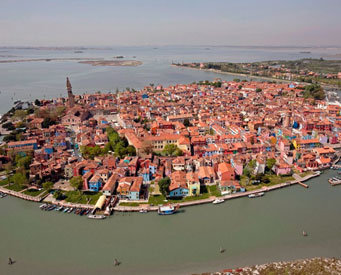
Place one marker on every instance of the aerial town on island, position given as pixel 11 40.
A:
pixel 175 146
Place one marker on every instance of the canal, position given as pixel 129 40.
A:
pixel 251 230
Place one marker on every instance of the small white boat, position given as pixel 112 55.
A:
pixel 216 201
pixel 97 217
pixel 143 211
pixel 256 195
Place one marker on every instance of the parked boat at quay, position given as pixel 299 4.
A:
pixel 217 201
pixel 2 195
pixel 168 209
pixel 256 195
pixel 97 217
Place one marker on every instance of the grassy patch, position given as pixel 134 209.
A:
pixel 206 192
pixel 156 200
pixel 273 181
pixel 214 191
pixel 16 187
pixel 131 203
pixel 33 192
pixel 4 182
pixel 82 198
pixel 304 174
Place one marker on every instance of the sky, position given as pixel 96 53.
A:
pixel 170 22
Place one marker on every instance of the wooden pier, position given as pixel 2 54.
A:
pixel 303 184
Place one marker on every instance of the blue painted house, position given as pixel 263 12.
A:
pixel 178 187
pixel 95 183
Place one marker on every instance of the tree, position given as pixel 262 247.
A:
pixel 24 162
pixel 258 90
pixel 247 172
pixel 187 123
pixel 170 150
pixel 270 163
pixel 48 185
pixel 37 102
pixel 58 195
pixel 178 152
pixel 314 91
pixel 77 182
pixel 9 126
pixel 47 122
pixel 252 164
pixel 130 150
pixel 164 185
pixel 19 179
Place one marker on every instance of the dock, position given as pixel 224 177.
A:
pixel 303 184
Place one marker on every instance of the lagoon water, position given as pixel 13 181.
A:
pixel 31 80
pixel 251 230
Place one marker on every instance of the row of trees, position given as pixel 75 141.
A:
pixel 116 144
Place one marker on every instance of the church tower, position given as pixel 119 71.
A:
pixel 69 93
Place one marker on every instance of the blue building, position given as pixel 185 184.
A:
pixel 95 183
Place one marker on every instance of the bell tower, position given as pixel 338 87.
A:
pixel 69 93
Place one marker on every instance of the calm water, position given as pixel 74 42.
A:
pixel 32 80
pixel 252 231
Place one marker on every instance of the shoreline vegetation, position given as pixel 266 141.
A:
pixel 326 72
pixel 91 61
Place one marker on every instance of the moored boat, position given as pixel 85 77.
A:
pixel 256 195
pixel 143 211
pixel 216 201
pixel 167 209
pixel 96 217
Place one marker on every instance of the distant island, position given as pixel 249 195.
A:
pixel 91 61
pixel 112 62
pixel 304 70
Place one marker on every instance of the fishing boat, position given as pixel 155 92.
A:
pixel 256 195
pixel 167 209
pixel 66 210
pixel 143 211
pixel 216 201
pixel 97 217
pixel 304 234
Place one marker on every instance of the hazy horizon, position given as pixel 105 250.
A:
pixel 105 23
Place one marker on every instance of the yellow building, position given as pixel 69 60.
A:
pixel 193 184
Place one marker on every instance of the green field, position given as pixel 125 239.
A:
pixel 82 197
pixel 16 187
pixel 33 192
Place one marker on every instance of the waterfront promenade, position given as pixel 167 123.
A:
pixel 49 199
pixel 22 195
pixel 225 197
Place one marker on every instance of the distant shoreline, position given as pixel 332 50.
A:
pixel 90 61
pixel 112 62
pixel 236 74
